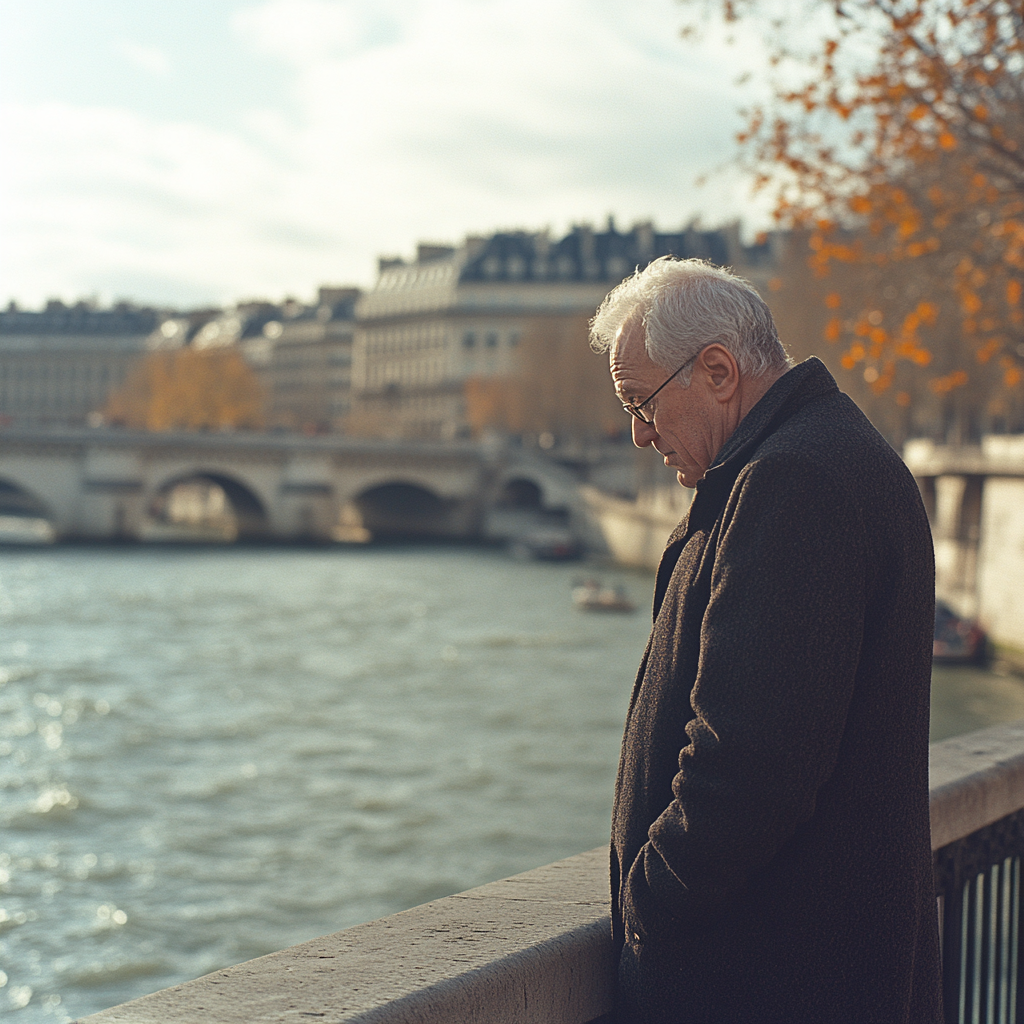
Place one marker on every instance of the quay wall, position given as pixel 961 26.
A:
pixel 531 949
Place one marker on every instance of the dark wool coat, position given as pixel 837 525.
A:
pixel 771 857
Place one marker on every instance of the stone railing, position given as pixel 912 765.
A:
pixel 977 808
pixel 535 948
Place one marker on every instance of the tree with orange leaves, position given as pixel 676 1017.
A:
pixel 188 389
pixel 555 386
pixel 893 143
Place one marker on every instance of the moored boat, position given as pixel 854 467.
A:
pixel 29 530
pixel 549 545
pixel 957 640
pixel 594 596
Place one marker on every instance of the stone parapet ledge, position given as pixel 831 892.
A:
pixel 976 779
pixel 531 949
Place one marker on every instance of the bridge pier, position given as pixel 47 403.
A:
pixel 307 509
pixel 956 530
pixel 112 505
pixel 108 512
pixel 974 495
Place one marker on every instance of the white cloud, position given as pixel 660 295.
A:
pixel 169 212
pixel 147 58
pixel 406 120
pixel 304 30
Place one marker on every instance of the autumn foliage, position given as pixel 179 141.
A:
pixel 556 387
pixel 893 143
pixel 189 389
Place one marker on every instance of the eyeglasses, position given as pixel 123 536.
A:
pixel 635 408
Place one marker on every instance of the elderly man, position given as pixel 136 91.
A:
pixel 771 858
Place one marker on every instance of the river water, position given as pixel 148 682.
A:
pixel 210 754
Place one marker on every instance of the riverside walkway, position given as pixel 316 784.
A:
pixel 535 948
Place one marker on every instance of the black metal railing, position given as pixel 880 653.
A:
pixel 978 881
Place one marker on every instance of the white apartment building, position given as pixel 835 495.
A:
pixel 304 359
pixel 453 313
pixel 59 364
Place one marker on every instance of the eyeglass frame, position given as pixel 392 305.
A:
pixel 633 408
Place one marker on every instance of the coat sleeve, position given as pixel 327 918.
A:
pixel 779 648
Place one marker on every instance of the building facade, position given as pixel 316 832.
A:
pixel 455 315
pixel 303 357
pixel 59 364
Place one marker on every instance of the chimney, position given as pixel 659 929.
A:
pixel 428 251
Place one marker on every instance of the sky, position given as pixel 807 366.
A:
pixel 204 151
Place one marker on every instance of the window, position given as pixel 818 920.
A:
pixel 468 339
pixel 492 339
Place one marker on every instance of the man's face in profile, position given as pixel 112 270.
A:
pixel 680 430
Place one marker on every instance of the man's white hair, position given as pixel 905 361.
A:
pixel 683 305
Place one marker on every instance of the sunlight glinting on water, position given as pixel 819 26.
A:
pixel 209 755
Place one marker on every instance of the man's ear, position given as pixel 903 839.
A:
pixel 720 368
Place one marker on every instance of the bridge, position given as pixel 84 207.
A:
pixel 974 495
pixel 110 484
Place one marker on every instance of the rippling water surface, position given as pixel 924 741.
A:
pixel 207 755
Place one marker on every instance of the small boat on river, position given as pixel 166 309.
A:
pixel 594 596
pixel 548 545
pixel 957 640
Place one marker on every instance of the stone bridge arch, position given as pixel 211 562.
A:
pixel 404 507
pixel 188 499
pixel 521 492
pixel 524 500
pixel 530 494
pixel 527 483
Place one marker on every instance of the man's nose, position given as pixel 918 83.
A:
pixel 643 433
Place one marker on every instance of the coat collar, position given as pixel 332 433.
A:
pixel 792 391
